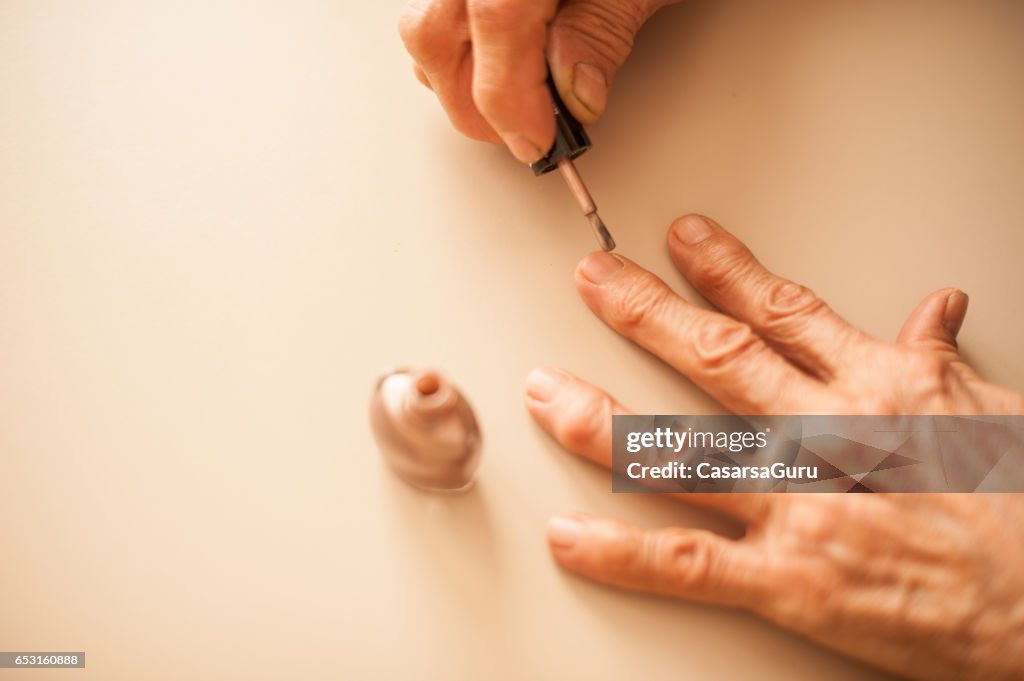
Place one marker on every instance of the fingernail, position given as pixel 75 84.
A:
pixel 590 87
pixel 543 384
pixel 598 268
pixel 691 230
pixel 956 309
pixel 563 531
pixel 523 149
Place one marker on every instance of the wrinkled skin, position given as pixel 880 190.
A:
pixel 926 585
pixel 487 61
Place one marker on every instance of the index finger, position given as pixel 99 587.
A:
pixel 721 355
pixel 510 75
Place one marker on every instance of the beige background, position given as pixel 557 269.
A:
pixel 220 220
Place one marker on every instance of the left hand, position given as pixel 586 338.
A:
pixel 924 585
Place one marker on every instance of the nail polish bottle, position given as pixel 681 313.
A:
pixel 426 429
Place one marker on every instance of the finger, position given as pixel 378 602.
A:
pixel 692 564
pixel 721 355
pixel 576 414
pixel 579 415
pixel 588 42
pixel 421 76
pixel 936 321
pixel 436 35
pixel 788 316
pixel 510 73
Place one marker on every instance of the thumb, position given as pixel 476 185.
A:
pixel 686 563
pixel 936 320
pixel 588 42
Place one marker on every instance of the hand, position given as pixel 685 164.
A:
pixel 928 586
pixel 487 60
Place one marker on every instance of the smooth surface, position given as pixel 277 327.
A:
pixel 220 220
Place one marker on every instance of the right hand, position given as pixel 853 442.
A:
pixel 487 61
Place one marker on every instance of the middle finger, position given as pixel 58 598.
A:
pixel 789 316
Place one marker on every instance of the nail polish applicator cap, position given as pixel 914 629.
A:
pixel 571 139
pixel 571 142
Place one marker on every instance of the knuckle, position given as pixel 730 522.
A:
pixel 638 303
pixel 430 30
pixel 608 29
pixel 497 12
pixel 813 603
pixel 721 344
pixel 929 376
pixel 421 75
pixel 409 31
pixel 923 381
pixel 814 528
pixel 470 124
pixel 722 261
pixel 622 550
pixel 786 300
pixel 816 561
pixel 686 561
pixel 584 423
pixel 929 367
pixel 490 96
pixel 414 29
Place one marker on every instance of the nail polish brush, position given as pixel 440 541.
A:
pixel 571 142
